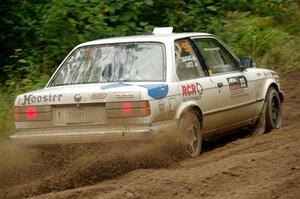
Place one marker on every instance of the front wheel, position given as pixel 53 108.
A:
pixel 273 110
pixel 270 116
pixel 190 128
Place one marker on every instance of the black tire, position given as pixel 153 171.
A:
pixel 273 110
pixel 190 129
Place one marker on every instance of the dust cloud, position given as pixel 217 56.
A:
pixel 34 170
pixel 15 163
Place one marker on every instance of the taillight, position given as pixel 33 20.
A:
pixel 32 113
pixel 128 109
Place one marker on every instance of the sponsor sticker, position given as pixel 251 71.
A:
pixel 124 96
pixel 233 83
pixel 189 61
pixel 77 98
pixel 267 74
pixel 187 58
pixel 156 91
pixel 32 99
pixel 237 85
pixel 95 96
pixel 89 53
pixel 186 46
pixel 242 81
pixel 192 91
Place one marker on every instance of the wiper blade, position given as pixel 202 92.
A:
pixel 89 82
pixel 73 83
pixel 125 80
pixel 58 84
pixel 63 84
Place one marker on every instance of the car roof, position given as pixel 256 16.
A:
pixel 141 38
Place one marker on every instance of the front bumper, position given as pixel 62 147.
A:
pixel 90 133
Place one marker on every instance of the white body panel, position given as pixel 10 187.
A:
pixel 223 105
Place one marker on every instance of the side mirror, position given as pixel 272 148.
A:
pixel 246 62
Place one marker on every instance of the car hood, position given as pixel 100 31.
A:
pixel 93 93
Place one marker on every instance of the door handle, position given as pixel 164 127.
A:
pixel 220 84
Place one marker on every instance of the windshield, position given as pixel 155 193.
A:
pixel 113 63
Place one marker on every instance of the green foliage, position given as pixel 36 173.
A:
pixel 284 57
pixel 37 34
pixel 69 23
pixel 289 18
pixel 6 116
pixel 252 35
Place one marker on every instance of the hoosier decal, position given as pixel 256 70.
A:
pixel 31 99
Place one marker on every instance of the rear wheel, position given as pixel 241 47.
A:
pixel 273 110
pixel 190 128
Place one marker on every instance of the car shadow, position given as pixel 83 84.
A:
pixel 223 140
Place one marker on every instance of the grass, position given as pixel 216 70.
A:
pixel 6 116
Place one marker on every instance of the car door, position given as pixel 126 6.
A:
pixel 236 88
pixel 194 83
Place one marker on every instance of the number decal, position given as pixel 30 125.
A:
pixel 242 81
pixel 237 85
pixel 237 82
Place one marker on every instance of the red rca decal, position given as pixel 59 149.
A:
pixel 191 89
pixel 188 90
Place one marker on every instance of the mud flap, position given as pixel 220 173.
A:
pixel 260 126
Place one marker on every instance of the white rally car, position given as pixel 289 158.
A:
pixel 135 86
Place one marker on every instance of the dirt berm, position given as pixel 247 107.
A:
pixel 235 166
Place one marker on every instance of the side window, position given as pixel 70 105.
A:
pixel 187 63
pixel 216 57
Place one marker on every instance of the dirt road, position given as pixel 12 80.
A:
pixel 236 166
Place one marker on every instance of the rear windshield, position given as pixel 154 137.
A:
pixel 113 63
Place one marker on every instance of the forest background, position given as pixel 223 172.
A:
pixel 36 35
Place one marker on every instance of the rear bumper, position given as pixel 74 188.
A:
pixel 90 133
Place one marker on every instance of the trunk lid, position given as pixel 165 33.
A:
pixel 72 105
pixel 74 94
pixel 104 104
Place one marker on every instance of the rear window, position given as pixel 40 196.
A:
pixel 113 63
